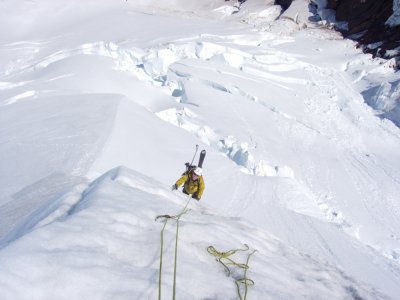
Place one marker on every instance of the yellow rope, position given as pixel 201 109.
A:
pixel 161 256
pixel 225 256
pixel 245 281
pixel 166 218
pixel 224 259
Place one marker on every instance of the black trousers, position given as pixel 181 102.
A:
pixel 193 196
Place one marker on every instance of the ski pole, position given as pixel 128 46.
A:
pixel 197 147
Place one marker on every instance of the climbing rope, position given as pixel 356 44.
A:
pixel 245 281
pixel 222 257
pixel 166 218
pixel 225 260
pixel 161 252
pixel 225 256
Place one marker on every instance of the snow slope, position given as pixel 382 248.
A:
pixel 287 110
pixel 106 246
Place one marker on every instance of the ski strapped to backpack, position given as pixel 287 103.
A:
pixel 190 167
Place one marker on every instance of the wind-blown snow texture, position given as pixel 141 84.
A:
pixel 300 128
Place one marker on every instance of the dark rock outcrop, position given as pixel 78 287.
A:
pixel 366 24
pixel 284 3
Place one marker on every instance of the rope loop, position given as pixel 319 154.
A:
pixel 165 217
pixel 224 259
pixel 246 281
pixel 215 252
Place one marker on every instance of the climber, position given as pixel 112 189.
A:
pixel 193 183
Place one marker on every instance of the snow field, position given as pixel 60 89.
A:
pixel 239 151
pixel 155 66
pixel 277 99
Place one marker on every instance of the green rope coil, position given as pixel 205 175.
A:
pixel 225 260
pixel 225 256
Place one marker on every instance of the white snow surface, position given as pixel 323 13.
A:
pixel 102 102
pixel 106 246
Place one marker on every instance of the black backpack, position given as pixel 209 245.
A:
pixel 189 168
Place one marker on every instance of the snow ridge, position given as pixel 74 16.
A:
pixel 106 246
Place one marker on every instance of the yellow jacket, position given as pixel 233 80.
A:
pixel 192 187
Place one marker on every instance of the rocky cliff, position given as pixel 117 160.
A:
pixel 367 24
